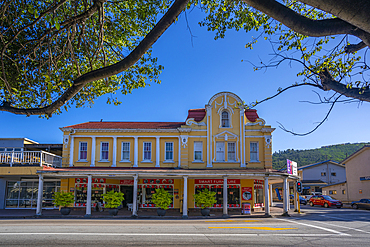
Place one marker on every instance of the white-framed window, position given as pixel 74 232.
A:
pixel 169 151
pixel 125 151
pixel 82 151
pixel 198 151
pixel 225 120
pixel 254 151
pixel 231 151
pixel 220 151
pixel 104 151
pixel 147 155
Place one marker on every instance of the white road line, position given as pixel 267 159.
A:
pixel 169 234
pixel 318 227
pixel 346 227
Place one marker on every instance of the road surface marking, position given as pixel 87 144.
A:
pixel 346 227
pixel 255 227
pixel 212 221
pixel 169 234
pixel 318 227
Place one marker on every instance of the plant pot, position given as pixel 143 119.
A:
pixel 161 212
pixel 65 211
pixel 205 211
pixel 113 211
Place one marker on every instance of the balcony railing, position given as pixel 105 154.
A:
pixel 26 158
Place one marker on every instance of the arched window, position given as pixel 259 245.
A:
pixel 225 119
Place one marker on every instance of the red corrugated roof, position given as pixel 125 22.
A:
pixel 127 125
pixel 197 114
pixel 251 114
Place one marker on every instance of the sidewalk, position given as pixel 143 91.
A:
pixel 142 214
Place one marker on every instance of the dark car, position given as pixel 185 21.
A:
pixel 302 200
pixel 325 201
pixel 363 203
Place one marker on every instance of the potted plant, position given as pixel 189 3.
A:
pixel 112 201
pixel 205 199
pixel 162 199
pixel 63 199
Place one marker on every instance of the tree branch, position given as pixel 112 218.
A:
pixel 317 126
pixel 329 83
pixel 307 26
pixel 166 21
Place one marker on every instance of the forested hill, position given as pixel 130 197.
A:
pixel 311 156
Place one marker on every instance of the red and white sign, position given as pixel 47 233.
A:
pixel 216 181
pixel 94 180
pixel 247 194
pixel 157 181
pixel 127 182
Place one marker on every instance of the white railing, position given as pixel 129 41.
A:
pixel 30 158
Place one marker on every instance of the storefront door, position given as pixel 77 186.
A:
pixel 128 191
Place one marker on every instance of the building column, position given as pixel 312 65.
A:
pixel 71 151
pixel 93 148
pixel 134 201
pixel 157 153
pixel 224 206
pixel 114 153
pixel 288 193
pixel 179 165
pixel 136 151
pixel 88 201
pixel 39 195
pixel 271 198
pixel 267 196
pixel 285 196
pixel 185 199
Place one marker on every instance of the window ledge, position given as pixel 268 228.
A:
pixel 124 161
pixel 236 162
pixel 197 161
pixel 254 161
pixel 103 161
pixel 82 161
pixel 168 161
pixel 146 161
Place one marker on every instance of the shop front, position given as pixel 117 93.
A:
pixel 139 185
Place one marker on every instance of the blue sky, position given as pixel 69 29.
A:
pixel 194 72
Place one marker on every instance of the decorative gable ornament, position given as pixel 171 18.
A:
pixel 66 140
pixel 184 140
pixel 268 141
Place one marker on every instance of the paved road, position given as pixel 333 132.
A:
pixel 317 227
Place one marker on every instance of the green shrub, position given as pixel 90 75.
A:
pixel 113 199
pixel 205 199
pixel 63 198
pixel 161 198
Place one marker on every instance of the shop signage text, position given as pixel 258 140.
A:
pixel 216 181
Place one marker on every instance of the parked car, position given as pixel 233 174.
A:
pixel 302 200
pixel 308 197
pixel 324 201
pixel 363 203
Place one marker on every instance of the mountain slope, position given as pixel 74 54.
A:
pixel 305 157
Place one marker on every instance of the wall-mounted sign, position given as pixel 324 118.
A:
pixel 247 193
pixel 216 181
pixel 365 178
pixel 127 182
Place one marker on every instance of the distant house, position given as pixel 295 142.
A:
pixel 358 177
pixel 20 160
pixel 315 176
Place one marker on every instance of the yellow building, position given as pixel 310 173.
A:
pixel 219 146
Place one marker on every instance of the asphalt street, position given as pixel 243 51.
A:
pixel 315 227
